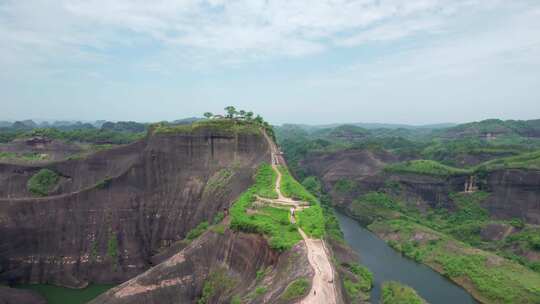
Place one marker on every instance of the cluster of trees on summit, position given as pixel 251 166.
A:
pixel 232 113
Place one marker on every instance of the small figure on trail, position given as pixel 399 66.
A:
pixel 292 212
pixel 315 292
pixel 225 211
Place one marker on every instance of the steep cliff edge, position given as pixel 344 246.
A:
pixel 347 175
pixel 113 210
pixel 218 267
pixel 475 226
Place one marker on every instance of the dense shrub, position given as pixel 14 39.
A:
pixel 296 289
pixel 311 220
pixel 423 166
pixel 394 292
pixel 293 189
pixel 43 182
pixel 197 231
pixel 269 221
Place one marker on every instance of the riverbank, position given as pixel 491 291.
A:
pixel 488 277
pixel 387 264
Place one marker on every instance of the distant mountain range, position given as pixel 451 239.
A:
pixel 130 126
pixel 377 126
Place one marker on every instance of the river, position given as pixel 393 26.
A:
pixel 389 265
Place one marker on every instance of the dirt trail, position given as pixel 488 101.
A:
pixel 323 290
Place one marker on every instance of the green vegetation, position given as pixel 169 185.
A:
pixel 396 293
pixel 197 231
pixel 29 157
pixel 311 220
pixel 374 206
pixel 112 246
pixel 492 277
pixel 268 177
pixel 261 273
pixel 217 125
pixel 428 167
pixel 259 291
pixel 344 186
pixel 523 161
pixel 219 229
pixel 43 182
pixel 93 250
pixel 8 155
pixel 313 185
pixel 104 183
pixel 236 300
pixel 218 218
pixel 234 122
pixel 469 209
pixel 271 222
pixel 85 135
pixel 293 189
pixel 61 295
pixel 331 223
pixel 360 283
pixel 465 223
pixel 296 290
pixel 472 149
pixel 526 240
pixel 218 283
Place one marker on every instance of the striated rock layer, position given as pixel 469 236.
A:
pixel 112 211
pixel 514 193
pixel 251 271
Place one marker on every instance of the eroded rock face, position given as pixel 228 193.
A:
pixel 115 209
pixel 513 193
pixel 46 149
pixel 495 231
pixel 181 278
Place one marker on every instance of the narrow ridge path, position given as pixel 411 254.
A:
pixel 323 290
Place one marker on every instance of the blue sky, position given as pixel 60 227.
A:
pixel 305 61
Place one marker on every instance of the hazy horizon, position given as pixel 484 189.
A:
pixel 332 123
pixel 412 62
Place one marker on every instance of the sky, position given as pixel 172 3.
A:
pixel 292 61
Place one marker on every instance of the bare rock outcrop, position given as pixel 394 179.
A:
pixel 232 265
pixel 115 209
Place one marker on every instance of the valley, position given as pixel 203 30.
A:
pixel 214 211
pixel 455 199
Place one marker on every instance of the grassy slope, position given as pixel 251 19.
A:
pixel 271 222
pixel 464 223
pixel 396 293
pixel 311 220
pixel 221 125
pixel 42 182
pixel 528 161
pixel 486 275
pixel 432 238
pixel 428 167
pixel 293 189
pixel 523 161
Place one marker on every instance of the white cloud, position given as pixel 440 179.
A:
pixel 41 35
pixel 278 27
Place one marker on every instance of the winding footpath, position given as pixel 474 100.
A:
pixel 323 290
